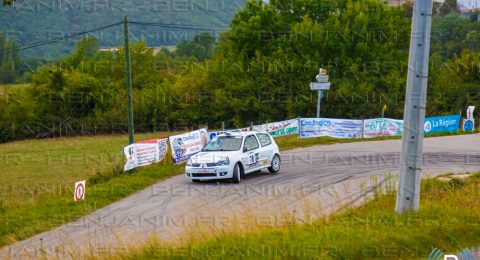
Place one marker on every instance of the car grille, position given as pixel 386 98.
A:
pixel 207 164
pixel 204 175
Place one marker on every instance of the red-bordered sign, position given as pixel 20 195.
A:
pixel 79 192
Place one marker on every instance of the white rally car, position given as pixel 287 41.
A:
pixel 233 155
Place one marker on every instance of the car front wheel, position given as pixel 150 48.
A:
pixel 236 178
pixel 275 166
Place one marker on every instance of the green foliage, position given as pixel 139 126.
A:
pixel 8 60
pixel 270 55
pixel 453 33
pixel 201 47
pixel 7 2
pixel 457 84
pixel 257 71
pixel 45 20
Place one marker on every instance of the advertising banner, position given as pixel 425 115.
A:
pixel 185 145
pixel 382 127
pixel 338 128
pixel 440 124
pixel 287 127
pixel 211 135
pixel 145 152
pixel 470 110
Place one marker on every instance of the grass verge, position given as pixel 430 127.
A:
pixel 36 191
pixel 448 219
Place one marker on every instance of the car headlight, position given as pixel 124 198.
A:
pixel 225 161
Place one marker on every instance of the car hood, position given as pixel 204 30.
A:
pixel 211 157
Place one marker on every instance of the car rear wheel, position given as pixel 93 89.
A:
pixel 236 178
pixel 275 166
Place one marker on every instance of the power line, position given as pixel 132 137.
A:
pixel 181 26
pixel 58 39
pixel 55 40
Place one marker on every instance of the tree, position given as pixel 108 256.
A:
pixel 201 47
pixel 8 2
pixel 9 60
pixel 457 84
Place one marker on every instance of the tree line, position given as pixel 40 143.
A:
pixel 258 71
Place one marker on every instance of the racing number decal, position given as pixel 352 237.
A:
pixel 252 159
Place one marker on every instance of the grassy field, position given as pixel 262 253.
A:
pixel 36 191
pixel 449 219
pixel 37 178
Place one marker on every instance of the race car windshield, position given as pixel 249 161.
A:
pixel 224 143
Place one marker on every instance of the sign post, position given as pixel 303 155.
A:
pixel 321 84
pixel 383 110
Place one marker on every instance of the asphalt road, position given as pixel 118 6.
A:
pixel 312 183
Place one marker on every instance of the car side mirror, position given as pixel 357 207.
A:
pixel 244 149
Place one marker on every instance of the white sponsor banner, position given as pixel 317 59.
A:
pixel 185 145
pixel 145 152
pixel 211 135
pixel 382 127
pixel 338 128
pixel 470 110
pixel 287 127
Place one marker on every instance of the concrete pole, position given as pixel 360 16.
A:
pixel 408 194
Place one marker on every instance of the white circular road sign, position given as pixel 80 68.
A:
pixel 79 192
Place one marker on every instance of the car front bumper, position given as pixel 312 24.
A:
pixel 210 173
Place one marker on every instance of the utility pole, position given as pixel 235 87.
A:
pixel 128 82
pixel 408 194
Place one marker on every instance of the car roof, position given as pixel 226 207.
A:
pixel 240 133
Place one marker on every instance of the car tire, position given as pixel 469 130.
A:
pixel 275 166
pixel 237 175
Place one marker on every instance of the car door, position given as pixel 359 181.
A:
pixel 265 152
pixel 250 153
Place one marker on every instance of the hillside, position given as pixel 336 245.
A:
pixel 41 20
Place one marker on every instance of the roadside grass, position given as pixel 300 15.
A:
pixel 37 178
pixel 448 219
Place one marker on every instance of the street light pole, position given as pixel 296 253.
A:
pixel 408 194
pixel 128 83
